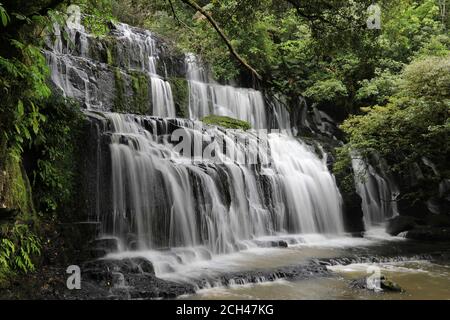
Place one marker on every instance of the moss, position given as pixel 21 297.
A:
pixel 109 43
pixel 119 100
pixel 141 96
pixel 109 57
pixel 180 91
pixel 15 187
pixel 96 25
pixel 226 122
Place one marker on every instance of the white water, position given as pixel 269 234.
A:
pixel 378 194
pixel 160 195
pixel 207 97
pixel 200 208
pixel 145 45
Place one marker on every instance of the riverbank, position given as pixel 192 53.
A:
pixel 317 268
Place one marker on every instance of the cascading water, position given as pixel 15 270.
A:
pixel 377 191
pixel 236 187
pixel 161 195
pixel 207 97
pixel 145 45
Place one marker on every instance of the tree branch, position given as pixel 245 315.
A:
pixel 176 17
pixel 233 52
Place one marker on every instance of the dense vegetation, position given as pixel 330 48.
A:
pixel 389 86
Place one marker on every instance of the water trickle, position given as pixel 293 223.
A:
pixel 377 191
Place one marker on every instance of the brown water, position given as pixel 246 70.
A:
pixel 419 280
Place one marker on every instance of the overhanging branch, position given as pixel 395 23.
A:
pixel 233 52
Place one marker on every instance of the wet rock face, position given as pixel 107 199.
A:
pixel 429 234
pixel 112 72
pixel 353 214
pixel 429 228
pixel 400 224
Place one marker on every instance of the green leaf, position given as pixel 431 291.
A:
pixel 19 16
pixel 4 16
pixel 20 110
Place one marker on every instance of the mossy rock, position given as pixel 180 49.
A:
pixel 389 285
pixel 141 92
pixel 119 100
pixel 15 187
pixel 226 122
pixel 110 50
pixel 180 92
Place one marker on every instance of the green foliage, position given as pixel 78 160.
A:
pixel 57 152
pixel 428 78
pixel 226 122
pixel 4 17
pixel 379 88
pixel 29 125
pixel 412 129
pixel 24 84
pixel 15 186
pixel 342 169
pixel 326 90
pixel 18 245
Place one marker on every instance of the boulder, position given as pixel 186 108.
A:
pixel 429 234
pixel 386 285
pixel 107 244
pixel 400 224
pixel 144 265
pixel 281 244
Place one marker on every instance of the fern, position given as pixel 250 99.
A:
pixel 18 248
pixel 4 17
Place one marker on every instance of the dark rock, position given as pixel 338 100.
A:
pixel 97 253
pixel 400 224
pixel 352 211
pixel 280 244
pixel 438 220
pixel 107 244
pixel 321 262
pixel 416 209
pixel 388 285
pixel 429 234
pixel 144 265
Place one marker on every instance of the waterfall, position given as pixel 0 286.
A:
pixel 221 190
pixel 377 191
pixel 208 97
pixel 169 200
